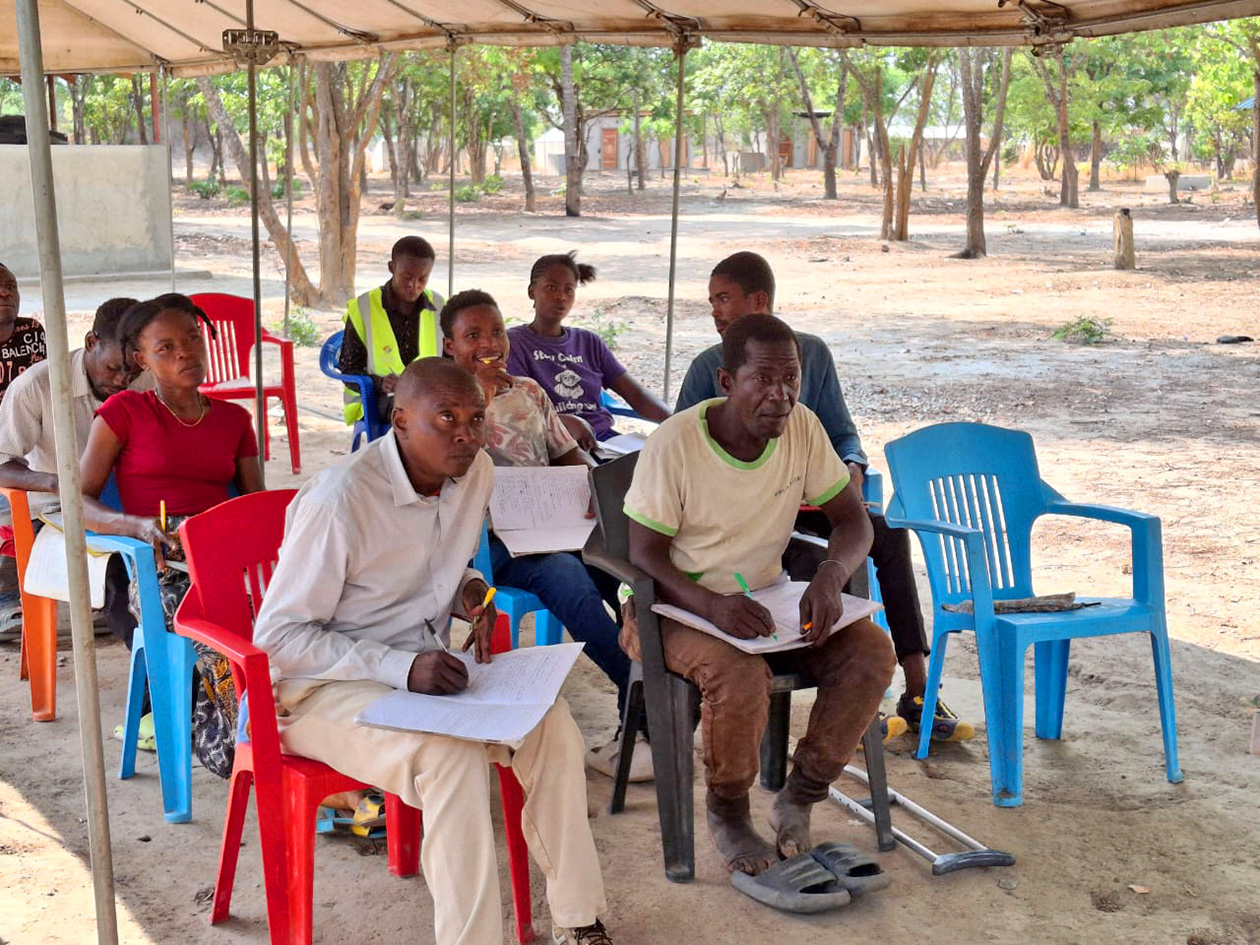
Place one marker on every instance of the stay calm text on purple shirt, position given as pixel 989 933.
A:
pixel 572 369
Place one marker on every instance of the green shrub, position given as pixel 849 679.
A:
pixel 206 189
pixel 492 184
pixel 303 331
pixel 469 193
pixel 277 190
pixel 237 196
pixel 608 329
pixel 1084 331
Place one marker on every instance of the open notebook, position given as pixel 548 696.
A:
pixel 505 699
pixel 540 509
pixel 783 600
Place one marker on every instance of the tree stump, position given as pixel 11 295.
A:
pixel 1122 230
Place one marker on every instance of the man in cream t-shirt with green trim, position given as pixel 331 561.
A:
pixel 715 494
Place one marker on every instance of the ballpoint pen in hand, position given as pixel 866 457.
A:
pixel 748 593
pixel 433 633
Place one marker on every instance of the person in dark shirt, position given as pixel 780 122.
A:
pixel 389 327
pixel 21 339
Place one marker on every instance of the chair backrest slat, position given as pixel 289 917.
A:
pixel 611 483
pixel 979 476
pixel 232 549
pixel 233 318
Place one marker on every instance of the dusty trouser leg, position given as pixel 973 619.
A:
pixel 448 778
pixel 852 670
pixel 734 704
pixel 550 766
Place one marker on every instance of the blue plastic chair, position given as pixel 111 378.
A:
pixel 166 661
pixel 368 426
pixel 972 492
pixel 516 603
pixel 616 406
pixel 873 496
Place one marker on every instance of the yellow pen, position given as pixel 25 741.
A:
pixel 485 602
pixel 162 512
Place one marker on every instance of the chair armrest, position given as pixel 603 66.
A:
pixel 962 532
pixel 1103 513
pixel 1147 544
pixel 619 568
pixel 235 648
pixel 810 540
pixel 616 406
pixel 977 560
pixel 137 555
pixel 286 357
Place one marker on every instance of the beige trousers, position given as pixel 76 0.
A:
pixel 449 779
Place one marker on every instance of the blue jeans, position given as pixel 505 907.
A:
pixel 576 594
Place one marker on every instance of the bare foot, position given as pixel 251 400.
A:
pixel 742 849
pixel 790 820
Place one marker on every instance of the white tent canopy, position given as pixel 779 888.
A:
pixel 185 35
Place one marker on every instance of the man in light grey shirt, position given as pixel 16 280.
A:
pixel 375 550
pixel 98 370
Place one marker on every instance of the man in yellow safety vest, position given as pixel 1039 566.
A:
pixel 389 327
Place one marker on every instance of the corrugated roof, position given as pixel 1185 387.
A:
pixel 127 35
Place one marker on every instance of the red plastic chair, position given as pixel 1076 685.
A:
pixel 231 551
pixel 229 369
pixel 39 618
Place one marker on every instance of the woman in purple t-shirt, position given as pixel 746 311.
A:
pixel 573 365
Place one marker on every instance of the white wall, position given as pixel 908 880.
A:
pixel 113 209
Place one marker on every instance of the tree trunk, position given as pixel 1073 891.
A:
pixel 1255 130
pixel 972 69
pixel 78 106
pixel 639 157
pixel 304 293
pixel 1172 177
pixel 522 146
pixel 829 146
pixel 137 98
pixel 909 157
pixel 1095 157
pixel 190 144
pixel 1058 98
pixel 922 171
pixel 870 142
pixel 572 148
pixel 216 151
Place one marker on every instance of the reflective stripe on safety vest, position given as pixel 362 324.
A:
pixel 378 338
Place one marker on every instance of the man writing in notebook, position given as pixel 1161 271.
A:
pixel 346 621
pixel 715 493
pixel 742 284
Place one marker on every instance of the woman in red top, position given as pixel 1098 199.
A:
pixel 172 444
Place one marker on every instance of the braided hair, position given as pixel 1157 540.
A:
pixel 582 272
pixel 139 315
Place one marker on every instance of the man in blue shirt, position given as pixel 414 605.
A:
pixel 743 284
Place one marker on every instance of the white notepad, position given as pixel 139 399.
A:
pixel 541 509
pixel 783 600
pixel 505 699
pixel 620 445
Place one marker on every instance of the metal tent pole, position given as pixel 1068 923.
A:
pixel 86 689
pixel 260 415
pixel 170 174
pixel 288 193
pixel 450 247
pixel 681 51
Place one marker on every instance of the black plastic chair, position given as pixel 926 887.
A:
pixel 670 701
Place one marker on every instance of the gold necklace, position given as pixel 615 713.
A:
pixel 201 401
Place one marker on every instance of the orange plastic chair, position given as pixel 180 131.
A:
pixel 228 376
pixel 231 551
pixel 39 618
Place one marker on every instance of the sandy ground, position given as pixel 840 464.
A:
pixel 1157 417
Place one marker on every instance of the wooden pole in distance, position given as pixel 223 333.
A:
pixel 1122 231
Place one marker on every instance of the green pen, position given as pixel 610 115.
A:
pixel 747 593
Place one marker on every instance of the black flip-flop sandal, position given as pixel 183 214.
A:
pixel 798 884
pixel 851 869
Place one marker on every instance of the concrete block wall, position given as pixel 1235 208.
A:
pixel 113 209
